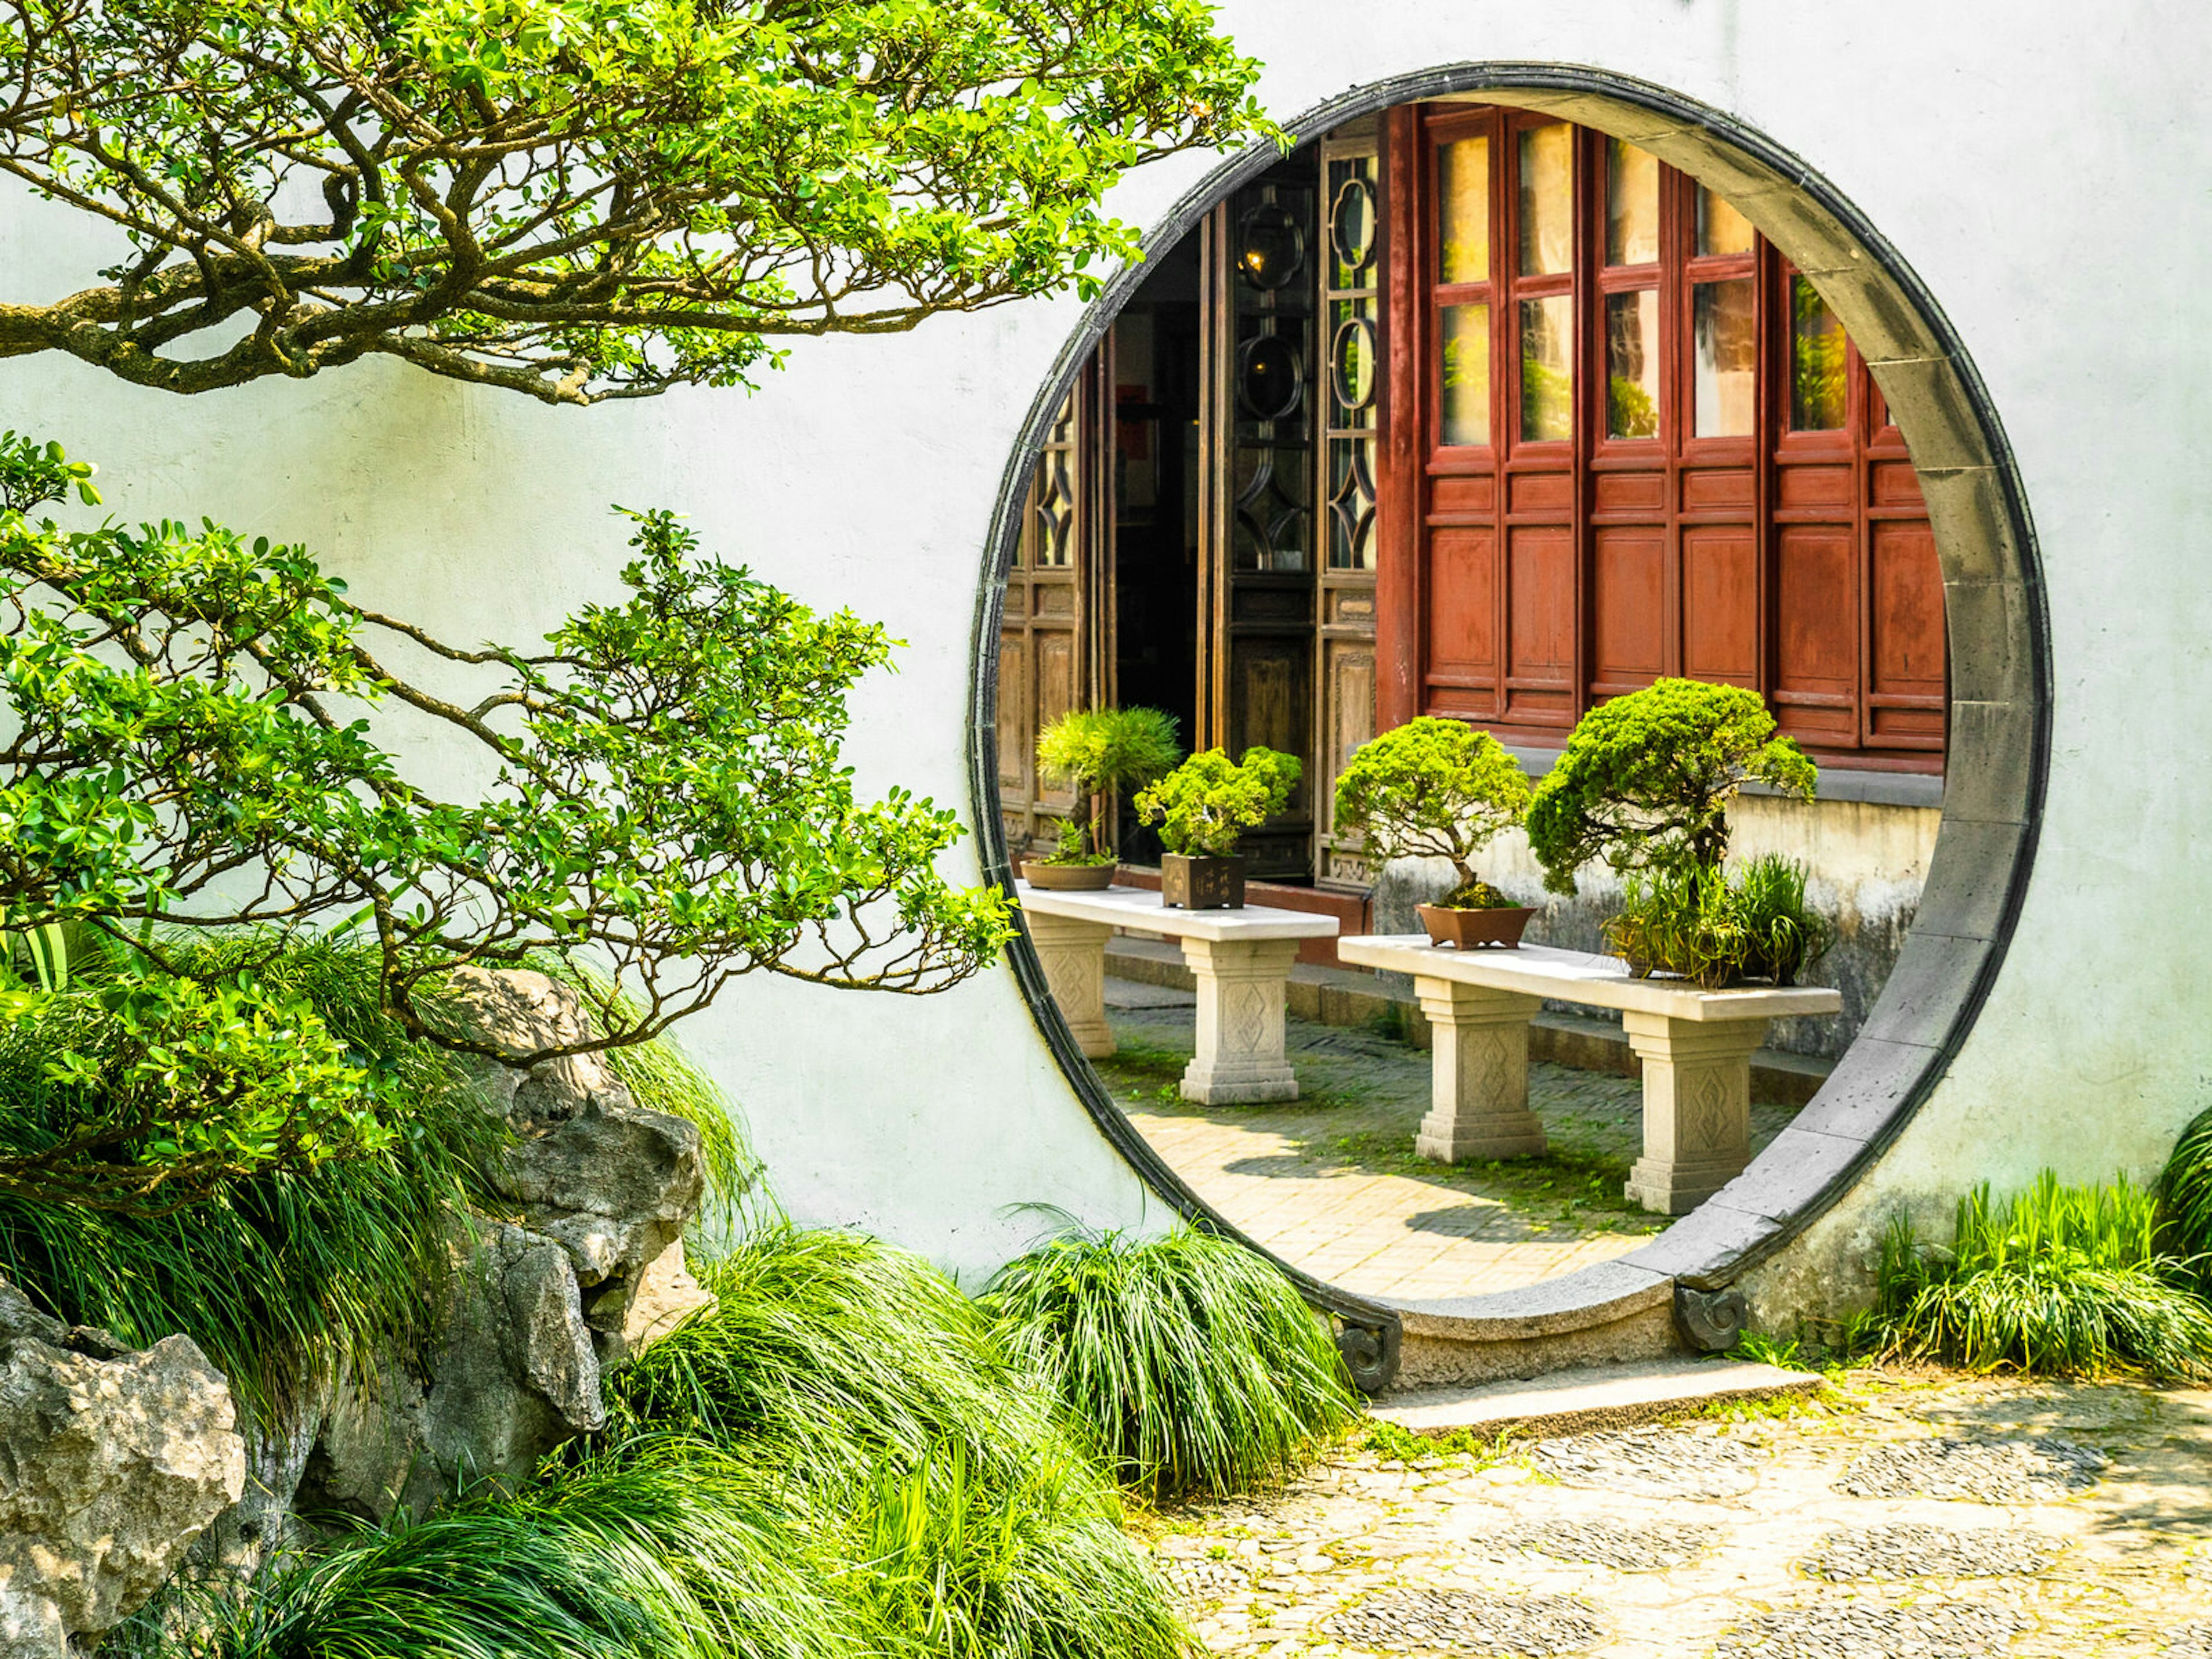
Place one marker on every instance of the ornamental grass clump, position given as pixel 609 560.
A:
pixel 1433 789
pixel 2069 1280
pixel 1717 927
pixel 2184 1198
pixel 1192 1363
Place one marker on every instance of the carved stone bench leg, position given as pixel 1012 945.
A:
pixel 1697 1107
pixel 1074 957
pixel 1240 1021
pixel 1478 1077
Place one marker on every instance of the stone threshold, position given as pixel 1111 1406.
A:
pixel 1354 996
pixel 1594 1398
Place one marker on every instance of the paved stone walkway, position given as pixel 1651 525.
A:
pixel 2073 1520
pixel 1329 1181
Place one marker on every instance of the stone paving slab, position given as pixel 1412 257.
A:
pixel 1329 1181
pixel 1775 1562
pixel 1599 1397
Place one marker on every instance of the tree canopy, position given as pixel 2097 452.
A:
pixel 582 199
pixel 1646 779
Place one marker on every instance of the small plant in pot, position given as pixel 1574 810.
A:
pixel 1100 750
pixel 1201 808
pixel 1436 788
pixel 1643 787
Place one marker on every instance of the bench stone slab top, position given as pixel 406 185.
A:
pixel 1139 910
pixel 1580 976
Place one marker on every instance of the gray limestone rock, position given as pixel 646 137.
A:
pixel 113 1462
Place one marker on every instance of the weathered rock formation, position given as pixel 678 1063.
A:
pixel 112 1463
pixel 586 1270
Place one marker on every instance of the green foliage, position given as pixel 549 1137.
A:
pixel 1192 1362
pixel 2184 1198
pixel 1101 750
pixel 1646 779
pixel 1207 803
pixel 1717 928
pixel 1430 788
pixel 2063 1279
pixel 582 199
pixel 279 1276
pixel 670 1549
pixel 186 743
pixel 966 1567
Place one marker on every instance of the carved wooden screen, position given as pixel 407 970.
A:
pixel 1259 451
pixel 1621 440
pixel 1350 385
pixel 1044 657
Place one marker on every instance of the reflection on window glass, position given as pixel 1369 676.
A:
pixel 1632 204
pixel 1632 364
pixel 1547 199
pixel 1463 199
pixel 1725 347
pixel 1466 374
pixel 1720 228
pixel 1547 374
pixel 1817 349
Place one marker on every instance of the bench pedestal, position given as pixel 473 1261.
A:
pixel 1478 1078
pixel 1697 1107
pixel 1074 953
pixel 1240 994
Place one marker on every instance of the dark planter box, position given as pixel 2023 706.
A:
pixel 1189 883
pixel 1469 930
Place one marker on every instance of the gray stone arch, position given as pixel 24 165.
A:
pixel 1676 1288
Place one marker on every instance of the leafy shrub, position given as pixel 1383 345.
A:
pixel 1100 750
pixel 2065 1279
pixel 2184 1197
pixel 1645 780
pixel 666 1549
pixel 1717 930
pixel 1432 788
pixel 1191 1362
pixel 1207 803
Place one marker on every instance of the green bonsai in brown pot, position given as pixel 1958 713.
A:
pixel 1100 751
pixel 1436 788
pixel 1201 808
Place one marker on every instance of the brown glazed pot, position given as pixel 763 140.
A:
pixel 1202 884
pixel 1468 930
pixel 1067 878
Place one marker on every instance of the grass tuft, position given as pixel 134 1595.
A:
pixel 1193 1362
pixel 2184 1197
pixel 2068 1280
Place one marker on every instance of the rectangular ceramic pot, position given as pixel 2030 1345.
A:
pixel 1468 930
pixel 1204 884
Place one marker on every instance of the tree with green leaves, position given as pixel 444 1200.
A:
pixel 1205 805
pixel 582 199
pixel 1430 788
pixel 1646 780
pixel 190 758
pixel 1100 751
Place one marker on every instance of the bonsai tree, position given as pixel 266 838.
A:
pixel 1103 750
pixel 1433 789
pixel 1207 803
pixel 189 785
pixel 582 199
pixel 1646 780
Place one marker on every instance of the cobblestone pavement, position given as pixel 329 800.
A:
pixel 1738 1538
pixel 1329 1181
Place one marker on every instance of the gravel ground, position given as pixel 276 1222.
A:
pixel 1467 1622
pixel 1982 1471
pixel 1908 1516
pixel 1917 1552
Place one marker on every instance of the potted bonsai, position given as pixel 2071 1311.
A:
pixel 1099 751
pixel 1201 808
pixel 1436 788
pixel 1643 787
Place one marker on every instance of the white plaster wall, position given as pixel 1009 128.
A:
pixel 2040 166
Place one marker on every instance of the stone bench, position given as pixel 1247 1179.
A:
pixel 1241 960
pixel 1695 1047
